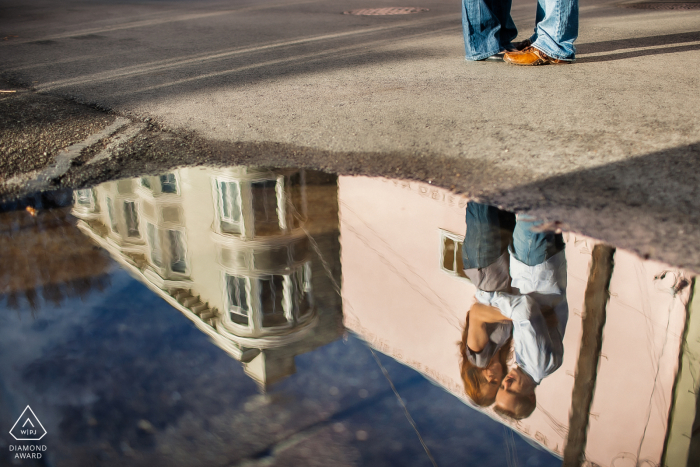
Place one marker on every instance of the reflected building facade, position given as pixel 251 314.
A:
pixel 227 247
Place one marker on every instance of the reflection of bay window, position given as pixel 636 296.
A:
pixel 132 219
pixel 277 299
pixel 110 213
pixel 253 208
pixel 272 291
pixel 154 243
pixel 85 197
pixel 301 298
pixel 168 183
pixel 238 299
pixel 168 249
pixel 229 206
pixel 178 260
pixel 267 217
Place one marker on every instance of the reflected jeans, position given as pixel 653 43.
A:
pixel 488 27
pixel 490 231
pixel 532 247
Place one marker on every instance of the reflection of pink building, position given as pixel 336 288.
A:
pixel 403 294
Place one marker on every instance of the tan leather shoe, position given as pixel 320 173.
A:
pixel 531 56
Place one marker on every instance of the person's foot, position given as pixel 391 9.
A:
pixel 531 56
pixel 495 57
pixel 520 45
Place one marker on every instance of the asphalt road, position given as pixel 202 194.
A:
pixel 610 146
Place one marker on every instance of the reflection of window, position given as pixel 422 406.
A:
pixel 168 184
pixel 278 298
pixel 178 261
pixel 146 182
pixel 84 197
pixel 271 300
pixel 132 219
pixel 229 206
pixel 237 299
pixel 265 212
pixel 301 292
pixel 451 253
pixel 110 212
pixel 154 242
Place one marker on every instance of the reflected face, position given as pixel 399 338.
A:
pixel 494 375
pixel 513 385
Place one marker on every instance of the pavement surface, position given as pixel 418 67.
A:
pixel 608 146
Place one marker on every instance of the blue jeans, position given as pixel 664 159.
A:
pixel 490 231
pixel 488 27
pixel 556 28
pixel 532 247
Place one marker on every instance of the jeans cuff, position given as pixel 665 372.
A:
pixel 476 58
pixel 539 46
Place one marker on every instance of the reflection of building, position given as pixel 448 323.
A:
pixel 228 248
pixel 400 254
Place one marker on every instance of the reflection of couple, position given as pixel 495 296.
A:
pixel 520 274
pixel 489 31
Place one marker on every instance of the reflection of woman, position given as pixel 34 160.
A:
pixel 520 274
pixel 485 348
pixel 486 343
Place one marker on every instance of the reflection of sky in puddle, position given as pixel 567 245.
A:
pixel 253 258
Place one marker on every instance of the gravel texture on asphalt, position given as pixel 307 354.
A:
pixel 35 127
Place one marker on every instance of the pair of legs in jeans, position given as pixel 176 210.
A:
pixel 490 231
pixel 489 29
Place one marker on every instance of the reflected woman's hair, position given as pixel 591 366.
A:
pixel 476 386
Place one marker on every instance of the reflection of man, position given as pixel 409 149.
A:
pixel 520 274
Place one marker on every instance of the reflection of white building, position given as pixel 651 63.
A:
pixel 227 247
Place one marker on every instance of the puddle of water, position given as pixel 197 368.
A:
pixel 253 316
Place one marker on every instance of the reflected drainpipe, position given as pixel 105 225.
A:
pixel 595 302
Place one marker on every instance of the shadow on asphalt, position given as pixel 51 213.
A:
pixel 650 41
pixel 675 42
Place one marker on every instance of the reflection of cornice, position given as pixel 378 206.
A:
pixel 84 213
pixel 273 338
pixel 262 242
pixel 250 174
pixel 162 283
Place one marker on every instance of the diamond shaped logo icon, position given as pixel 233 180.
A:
pixel 28 427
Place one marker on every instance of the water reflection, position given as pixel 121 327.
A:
pixel 401 254
pixel 586 352
pixel 229 248
pixel 226 247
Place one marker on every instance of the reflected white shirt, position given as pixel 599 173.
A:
pixel 538 348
